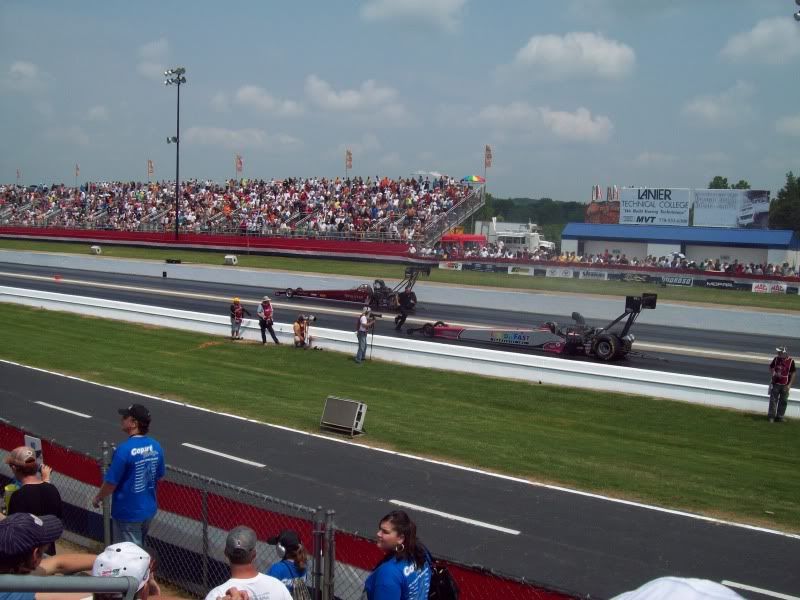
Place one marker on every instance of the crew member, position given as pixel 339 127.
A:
pixel 783 372
pixel 365 324
pixel 265 320
pixel 300 332
pixel 406 300
pixel 237 314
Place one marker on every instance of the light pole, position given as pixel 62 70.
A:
pixel 175 77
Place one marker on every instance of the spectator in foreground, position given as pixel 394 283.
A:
pixel 136 468
pixel 680 588
pixel 128 560
pixel 291 570
pixel 37 495
pixel 240 550
pixel 23 540
pixel 237 315
pixel 404 572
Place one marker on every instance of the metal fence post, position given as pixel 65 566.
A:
pixel 205 538
pixel 319 532
pixel 329 556
pixel 105 461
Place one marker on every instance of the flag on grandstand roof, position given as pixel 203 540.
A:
pixel 487 157
pixel 239 163
pixel 473 179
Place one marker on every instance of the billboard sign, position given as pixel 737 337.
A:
pixel 654 206
pixel 731 208
pixel 559 272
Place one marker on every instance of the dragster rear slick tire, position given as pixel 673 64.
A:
pixel 607 347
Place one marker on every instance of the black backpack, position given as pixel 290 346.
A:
pixel 443 586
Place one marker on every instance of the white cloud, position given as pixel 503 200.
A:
pixel 369 95
pixel 236 139
pixel 152 59
pixel 445 14
pixel 576 54
pixel 714 157
pixel 97 113
pixel 23 76
pixel 788 125
pixel 727 108
pixel 221 102
pixel 653 159
pixel 259 99
pixel 71 135
pixel 578 126
pixel 771 41
pixel 521 117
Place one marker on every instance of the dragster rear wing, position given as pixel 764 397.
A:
pixel 635 304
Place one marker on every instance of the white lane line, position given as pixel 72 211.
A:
pixel 750 588
pixel 454 517
pixel 223 455
pixel 430 461
pixel 66 410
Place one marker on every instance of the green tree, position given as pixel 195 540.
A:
pixel 784 211
pixel 718 183
pixel 742 185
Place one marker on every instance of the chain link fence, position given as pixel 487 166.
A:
pixel 187 536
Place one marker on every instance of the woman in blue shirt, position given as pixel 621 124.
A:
pixel 404 573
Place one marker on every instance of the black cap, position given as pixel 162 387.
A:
pixel 138 412
pixel 288 539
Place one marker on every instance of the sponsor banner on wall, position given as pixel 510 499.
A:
pixel 731 208
pixel 724 284
pixel 450 266
pixel 654 206
pixel 589 274
pixel 559 272
pixel 484 267
pixel 677 280
pixel 520 271
pixel 769 287
pixel 640 277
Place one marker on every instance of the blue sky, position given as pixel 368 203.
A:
pixel 568 93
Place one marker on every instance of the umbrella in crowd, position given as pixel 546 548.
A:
pixel 474 179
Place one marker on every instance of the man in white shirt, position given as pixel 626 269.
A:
pixel 240 550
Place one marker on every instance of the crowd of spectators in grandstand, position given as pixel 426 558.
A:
pixel 393 209
pixel 675 261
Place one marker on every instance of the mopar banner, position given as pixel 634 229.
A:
pixel 588 274
pixel 559 272
pixel 520 271
pixel 654 206
pixel 450 266
pixel 731 208
pixel 723 284
pixel 769 287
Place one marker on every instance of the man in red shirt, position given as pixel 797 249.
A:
pixel 783 372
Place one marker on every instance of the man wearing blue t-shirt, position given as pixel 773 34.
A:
pixel 131 479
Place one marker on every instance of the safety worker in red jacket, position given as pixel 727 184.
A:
pixel 265 320
pixel 783 372
pixel 237 315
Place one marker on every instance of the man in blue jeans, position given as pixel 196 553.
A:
pixel 365 322
pixel 131 480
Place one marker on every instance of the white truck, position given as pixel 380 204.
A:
pixel 515 236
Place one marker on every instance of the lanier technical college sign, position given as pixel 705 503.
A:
pixel 654 206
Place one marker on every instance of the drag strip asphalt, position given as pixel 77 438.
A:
pixel 736 356
pixel 576 541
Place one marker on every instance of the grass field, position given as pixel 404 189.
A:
pixel 723 463
pixel 383 271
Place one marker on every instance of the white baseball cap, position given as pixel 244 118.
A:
pixel 125 559
pixel 366 310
